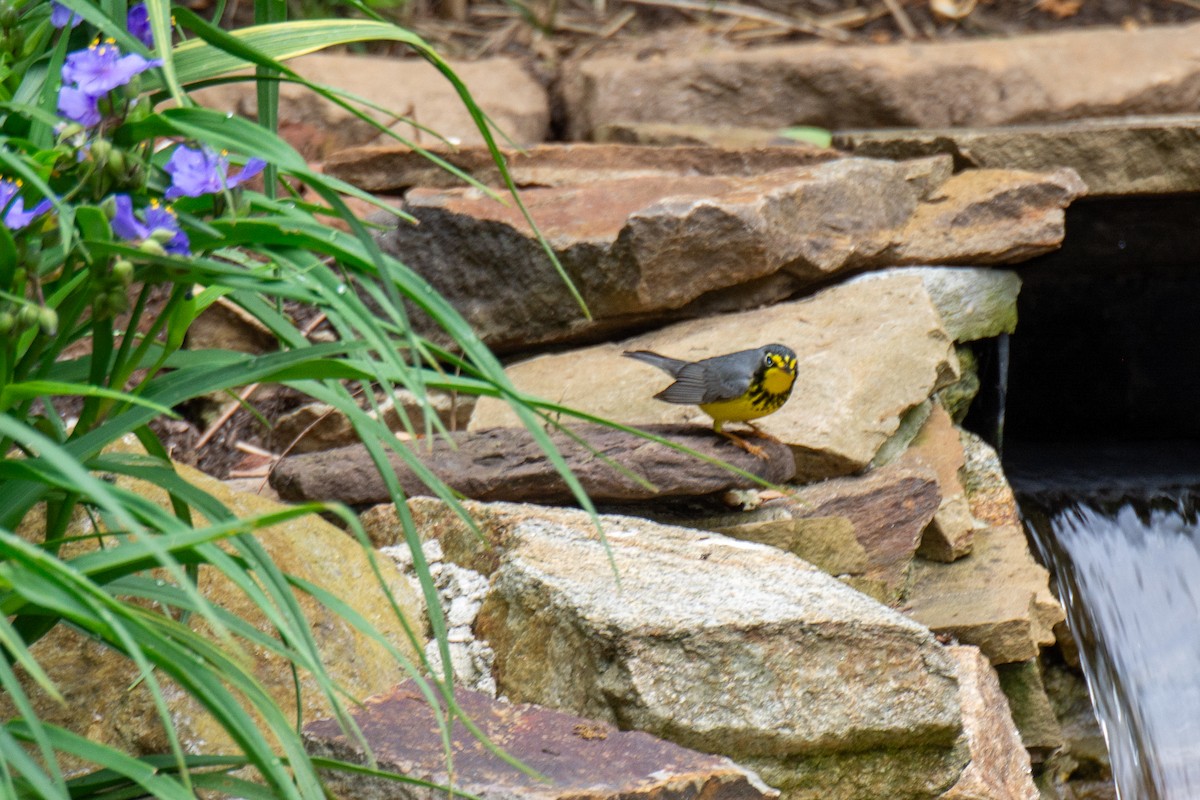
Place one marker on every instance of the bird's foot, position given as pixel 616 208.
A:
pixel 752 449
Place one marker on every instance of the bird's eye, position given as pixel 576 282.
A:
pixel 769 360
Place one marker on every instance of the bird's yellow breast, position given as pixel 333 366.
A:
pixel 740 409
pixel 763 398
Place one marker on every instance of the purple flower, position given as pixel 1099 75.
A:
pixel 61 15
pixel 101 68
pixel 155 219
pixel 12 206
pixel 137 21
pixel 195 172
pixel 78 106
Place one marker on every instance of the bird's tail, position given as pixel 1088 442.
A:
pixel 671 366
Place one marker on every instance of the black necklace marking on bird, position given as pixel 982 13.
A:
pixel 736 387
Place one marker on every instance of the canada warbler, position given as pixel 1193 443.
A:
pixel 737 387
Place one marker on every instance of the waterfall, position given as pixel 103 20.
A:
pixel 1129 577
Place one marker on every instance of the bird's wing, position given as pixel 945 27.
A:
pixel 699 383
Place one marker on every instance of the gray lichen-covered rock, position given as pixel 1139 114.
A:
pixel 721 645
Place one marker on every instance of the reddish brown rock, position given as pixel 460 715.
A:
pixel 951 531
pixel 863 529
pixel 580 759
pixel 657 247
pixel 507 464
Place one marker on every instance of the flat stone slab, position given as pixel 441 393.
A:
pixel 1113 156
pixel 581 759
pixel 969 83
pixel 868 352
pixel 395 169
pixel 507 464
pixel 742 239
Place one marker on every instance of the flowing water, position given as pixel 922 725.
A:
pixel 1129 576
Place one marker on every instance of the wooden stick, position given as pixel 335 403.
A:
pixel 809 25
pixel 904 21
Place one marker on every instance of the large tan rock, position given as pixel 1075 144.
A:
pixel 650 248
pixel 107 704
pixel 406 87
pixel 868 351
pixel 970 82
pixel 717 644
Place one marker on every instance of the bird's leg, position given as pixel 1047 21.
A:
pixel 752 449
pixel 760 433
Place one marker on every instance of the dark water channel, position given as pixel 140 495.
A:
pixel 1102 443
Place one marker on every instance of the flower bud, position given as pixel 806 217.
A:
pixel 101 150
pixel 152 247
pixel 117 300
pixel 15 41
pixel 162 235
pixel 9 17
pixel 48 320
pixel 8 321
pixel 27 316
pixel 123 272
pixel 109 206
pixel 69 130
pixel 117 164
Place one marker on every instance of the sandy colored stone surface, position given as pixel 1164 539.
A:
pixel 867 352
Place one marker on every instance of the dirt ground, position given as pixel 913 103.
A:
pixel 549 30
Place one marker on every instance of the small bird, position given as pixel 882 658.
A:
pixel 737 387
